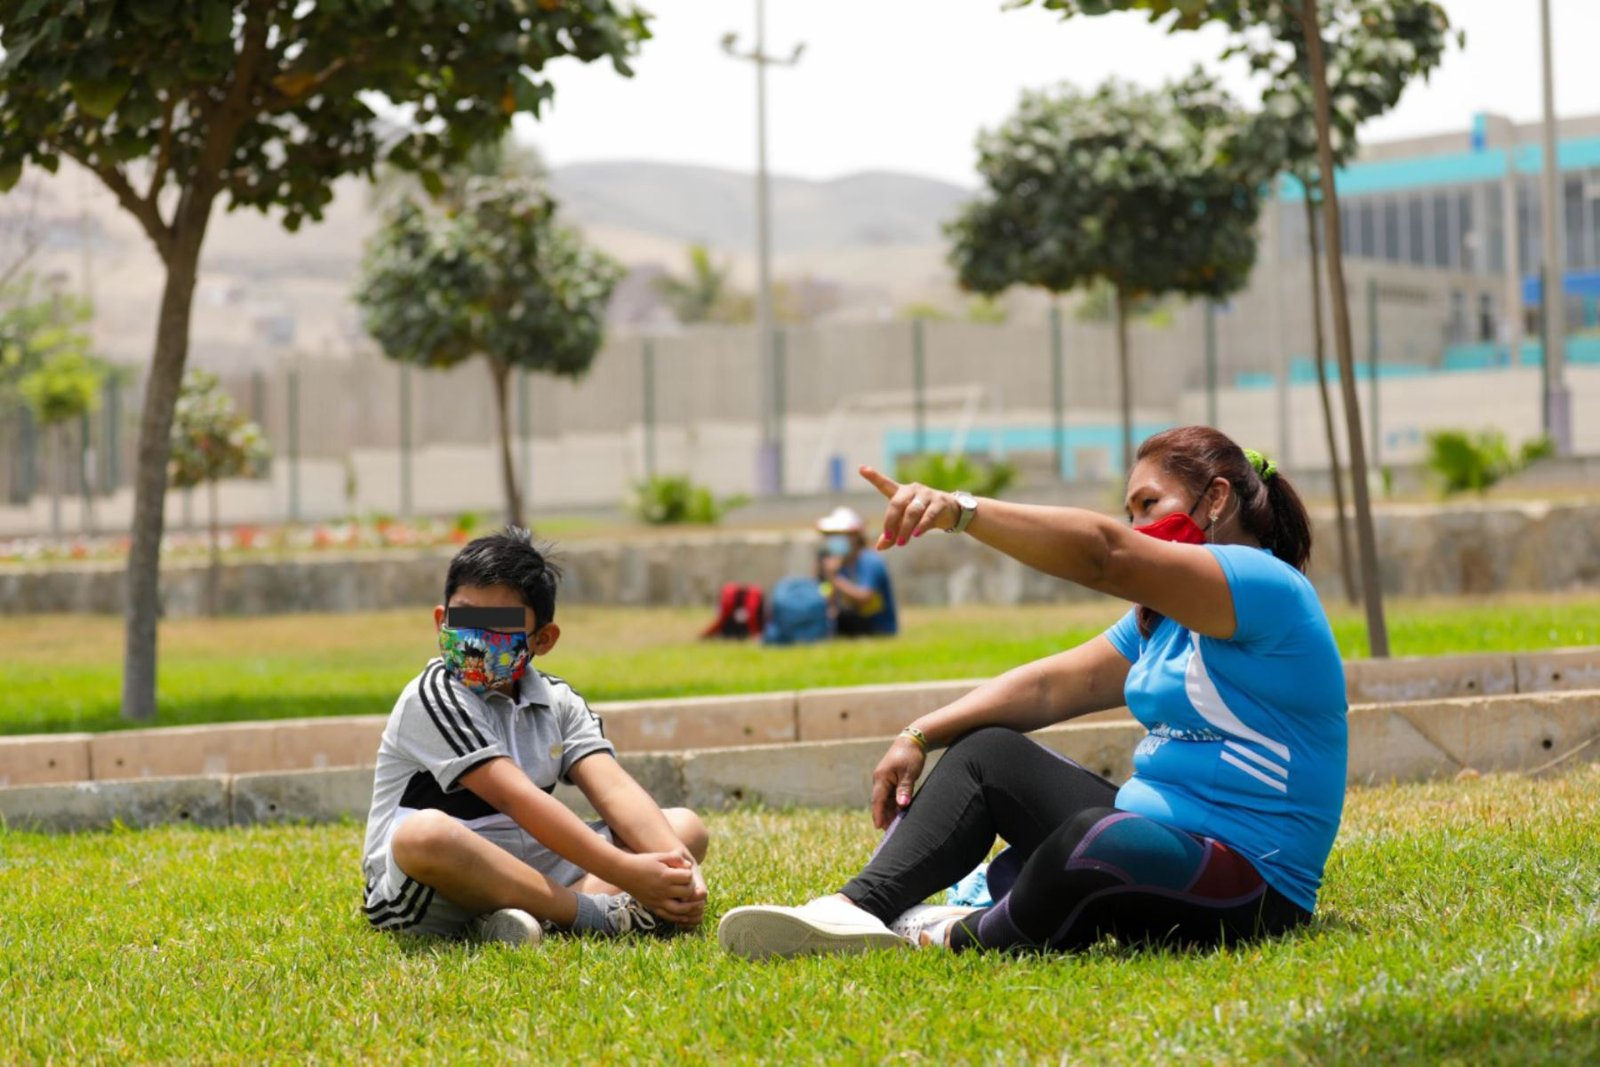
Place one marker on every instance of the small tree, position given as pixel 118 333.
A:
pixel 497 278
pixel 1149 191
pixel 45 360
pixel 265 103
pixel 211 440
pixel 1375 53
pixel 1289 22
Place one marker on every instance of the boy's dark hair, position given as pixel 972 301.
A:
pixel 508 557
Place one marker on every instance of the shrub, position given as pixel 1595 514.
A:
pixel 1465 461
pixel 673 498
pixel 962 472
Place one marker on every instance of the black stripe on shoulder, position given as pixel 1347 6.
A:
pixel 598 721
pixel 461 715
pixel 438 713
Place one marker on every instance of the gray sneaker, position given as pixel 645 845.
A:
pixel 627 917
pixel 508 926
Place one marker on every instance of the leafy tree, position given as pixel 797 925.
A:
pixel 1295 24
pixel 1149 191
pixel 497 277
pixel 211 440
pixel 1374 50
pixel 264 104
pixel 705 294
pixel 64 387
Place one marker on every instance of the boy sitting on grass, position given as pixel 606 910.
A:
pixel 464 838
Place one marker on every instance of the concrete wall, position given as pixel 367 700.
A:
pixel 809 716
pixel 1423 551
pixel 1530 734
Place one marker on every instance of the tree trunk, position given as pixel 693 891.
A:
pixel 85 482
pixel 502 376
pixel 214 571
pixel 150 481
pixel 1377 630
pixel 1126 379
pixel 1320 351
pixel 58 458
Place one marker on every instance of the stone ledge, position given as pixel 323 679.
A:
pixel 703 723
pixel 1400 742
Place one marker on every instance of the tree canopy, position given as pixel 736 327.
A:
pixel 1147 191
pixel 1154 191
pixel 498 277
pixel 263 104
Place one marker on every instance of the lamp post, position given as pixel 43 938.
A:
pixel 1557 401
pixel 769 461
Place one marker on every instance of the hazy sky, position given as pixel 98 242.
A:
pixel 906 84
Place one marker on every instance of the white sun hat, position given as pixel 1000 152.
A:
pixel 841 520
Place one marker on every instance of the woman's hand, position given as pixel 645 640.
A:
pixel 913 509
pixel 893 780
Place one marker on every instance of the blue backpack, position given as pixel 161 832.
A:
pixel 797 613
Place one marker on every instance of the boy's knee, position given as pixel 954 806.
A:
pixel 422 840
pixel 691 830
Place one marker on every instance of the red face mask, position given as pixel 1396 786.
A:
pixel 1177 527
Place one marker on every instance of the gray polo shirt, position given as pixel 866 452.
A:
pixel 439 730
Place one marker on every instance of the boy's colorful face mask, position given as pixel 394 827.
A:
pixel 482 658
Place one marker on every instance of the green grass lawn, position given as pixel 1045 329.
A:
pixel 63 672
pixel 1459 923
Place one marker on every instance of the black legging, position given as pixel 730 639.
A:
pixel 1087 870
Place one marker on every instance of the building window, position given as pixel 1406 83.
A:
pixel 1467 238
pixel 1494 225
pixel 1391 230
pixel 1486 323
pixel 1441 232
pixel 1369 230
pixel 1572 222
pixel 1456 328
pixel 1591 201
pixel 1530 232
pixel 1416 226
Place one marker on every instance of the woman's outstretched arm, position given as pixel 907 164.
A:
pixel 1182 582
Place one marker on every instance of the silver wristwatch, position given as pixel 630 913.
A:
pixel 969 507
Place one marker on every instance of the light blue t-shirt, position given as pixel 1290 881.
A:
pixel 1248 740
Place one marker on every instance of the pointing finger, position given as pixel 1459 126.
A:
pixel 880 481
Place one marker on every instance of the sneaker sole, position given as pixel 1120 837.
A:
pixel 758 934
pixel 514 928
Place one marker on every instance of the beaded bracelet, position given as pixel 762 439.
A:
pixel 917 737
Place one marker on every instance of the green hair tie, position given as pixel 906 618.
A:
pixel 1262 465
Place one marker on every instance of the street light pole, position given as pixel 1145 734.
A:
pixel 769 461
pixel 1557 400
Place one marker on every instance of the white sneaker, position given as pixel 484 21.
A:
pixel 919 917
pixel 826 926
pixel 508 926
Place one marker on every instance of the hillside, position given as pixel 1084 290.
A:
pixel 264 291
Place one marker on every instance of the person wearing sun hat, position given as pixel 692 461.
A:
pixel 854 578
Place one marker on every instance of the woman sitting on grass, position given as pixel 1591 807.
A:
pixel 1227 659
